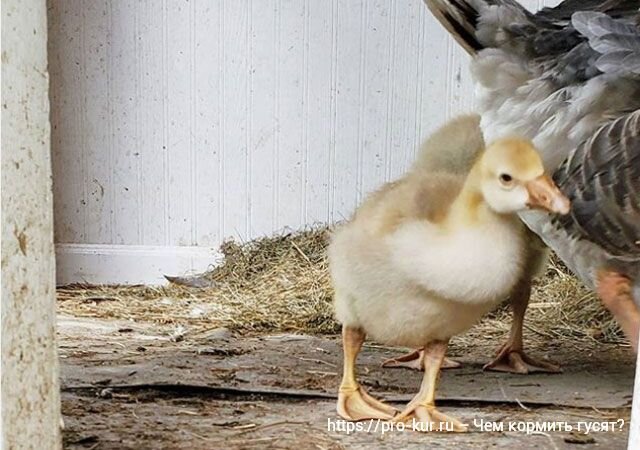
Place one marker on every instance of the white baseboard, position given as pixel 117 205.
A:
pixel 128 264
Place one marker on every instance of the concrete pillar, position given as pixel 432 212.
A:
pixel 634 432
pixel 30 388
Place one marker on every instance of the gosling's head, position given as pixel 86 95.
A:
pixel 513 179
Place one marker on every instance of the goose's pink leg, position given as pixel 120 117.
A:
pixel 511 356
pixel 414 360
pixel 615 290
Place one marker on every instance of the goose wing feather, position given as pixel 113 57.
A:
pixel 602 179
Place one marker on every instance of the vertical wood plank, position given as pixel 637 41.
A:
pixel 419 75
pixel 290 91
pixel 264 52
pixel 234 126
pixel 67 65
pixel 460 95
pixel 180 122
pixel 96 117
pixel 349 115
pixel 434 76
pixel 151 113
pixel 318 110
pixel 404 88
pixel 208 116
pixel 123 66
pixel 377 95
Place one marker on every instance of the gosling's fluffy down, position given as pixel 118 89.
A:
pixel 452 149
pixel 396 277
pixel 424 258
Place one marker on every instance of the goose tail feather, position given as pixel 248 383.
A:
pixel 460 18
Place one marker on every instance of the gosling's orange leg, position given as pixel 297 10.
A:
pixel 615 291
pixel 353 401
pixel 511 356
pixel 421 411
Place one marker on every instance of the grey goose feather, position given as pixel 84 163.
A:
pixel 569 79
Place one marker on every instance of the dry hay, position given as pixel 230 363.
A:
pixel 273 283
pixel 560 308
pixel 281 284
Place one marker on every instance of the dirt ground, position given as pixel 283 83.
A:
pixel 130 385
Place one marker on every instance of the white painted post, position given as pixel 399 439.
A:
pixel 634 432
pixel 30 388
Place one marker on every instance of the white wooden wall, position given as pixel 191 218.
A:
pixel 179 123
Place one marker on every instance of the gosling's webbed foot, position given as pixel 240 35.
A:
pixel 426 418
pixel 356 404
pixel 517 361
pixel 415 359
pixel 421 412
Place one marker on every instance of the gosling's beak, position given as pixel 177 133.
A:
pixel 544 194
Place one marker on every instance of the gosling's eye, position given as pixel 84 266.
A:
pixel 505 178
